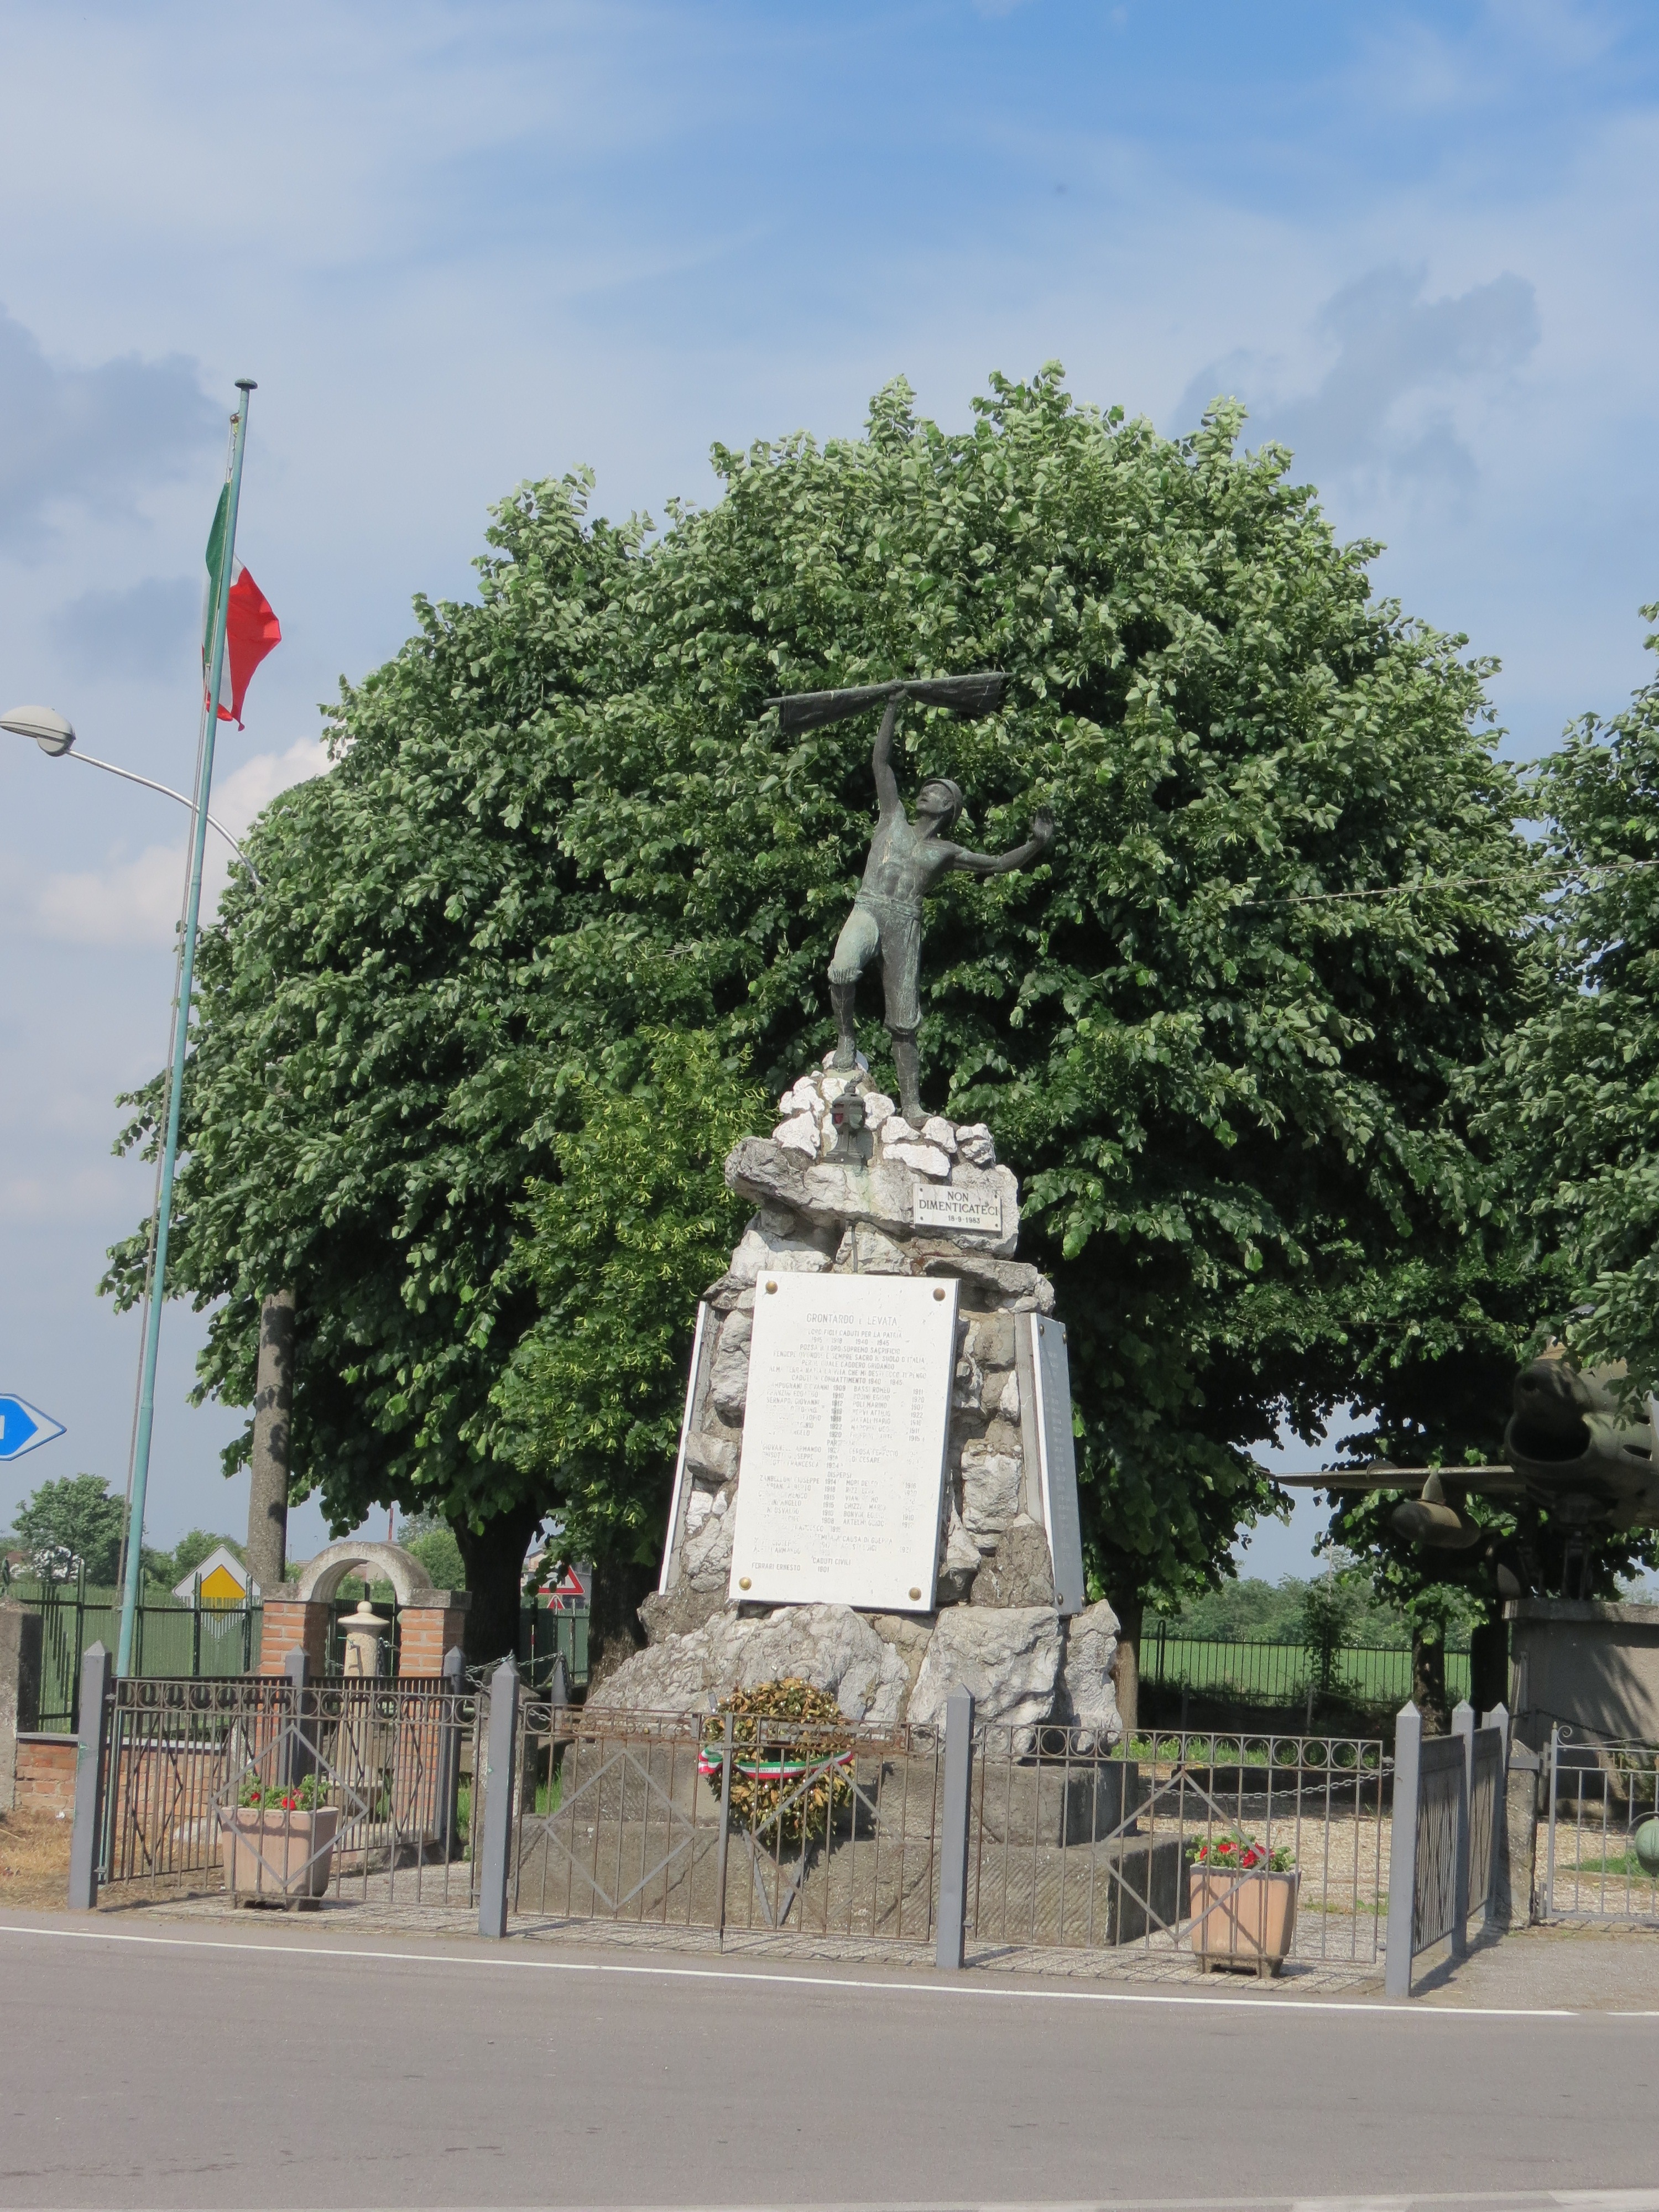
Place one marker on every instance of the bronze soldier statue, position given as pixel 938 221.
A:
pixel 906 859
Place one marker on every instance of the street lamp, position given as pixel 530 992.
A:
pixel 56 738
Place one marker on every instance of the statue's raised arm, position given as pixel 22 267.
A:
pixel 1011 862
pixel 881 764
pixel 906 859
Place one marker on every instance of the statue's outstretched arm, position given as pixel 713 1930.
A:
pixel 881 762
pixel 1008 864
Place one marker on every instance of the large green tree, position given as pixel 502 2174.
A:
pixel 73 1526
pixel 1568 1113
pixel 1582 1094
pixel 637 1223
pixel 369 1090
pixel 1223 1034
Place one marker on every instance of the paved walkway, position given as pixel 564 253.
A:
pixel 1163 1964
pixel 1608 1969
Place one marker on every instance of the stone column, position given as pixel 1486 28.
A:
pixel 1517 1865
pixel 273 1400
pixel 293 1624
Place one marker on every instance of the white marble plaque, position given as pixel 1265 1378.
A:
pixel 843 1442
pixel 1058 1462
pixel 941 1205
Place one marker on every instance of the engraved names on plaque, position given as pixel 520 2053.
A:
pixel 950 1206
pixel 843 1442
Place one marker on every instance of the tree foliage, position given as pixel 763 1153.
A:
pixel 1225 1036
pixel 1582 1089
pixel 636 1224
pixel 73 1524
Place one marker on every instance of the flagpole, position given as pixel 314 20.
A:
pixel 133 1580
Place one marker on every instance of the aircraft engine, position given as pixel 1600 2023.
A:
pixel 1429 1520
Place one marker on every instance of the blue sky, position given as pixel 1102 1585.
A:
pixel 459 246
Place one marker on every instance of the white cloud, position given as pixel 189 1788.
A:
pixel 135 902
pixel 1386 402
pixel 250 789
pixel 125 902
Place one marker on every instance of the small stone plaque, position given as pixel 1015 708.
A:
pixel 947 1205
pixel 843 1442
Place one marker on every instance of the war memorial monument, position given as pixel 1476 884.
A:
pixel 876 1490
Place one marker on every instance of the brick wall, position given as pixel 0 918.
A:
pixel 46 1774
pixel 425 1633
pixel 293 1625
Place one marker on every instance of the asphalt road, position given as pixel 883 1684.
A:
pixel 157 2065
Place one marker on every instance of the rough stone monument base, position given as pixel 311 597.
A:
pixel 888 1197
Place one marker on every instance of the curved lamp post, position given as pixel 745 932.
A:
pixel 56 738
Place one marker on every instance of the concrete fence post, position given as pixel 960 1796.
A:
pixel 725 1835
pixel 90 1759
pixel 494 1849
pixel 1497 1910
pixel 1402 1851
pixel 299 1755
pixel 953 1847
pixel 1462 1722
pixel 1519 1869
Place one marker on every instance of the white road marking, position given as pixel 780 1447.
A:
pixel 971 1990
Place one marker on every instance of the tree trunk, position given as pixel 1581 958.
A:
pixel 273 1400
pixel 494 1557
pixel 614 1633
pixel 1126 1667
pixel 1429 1683
pixel 1489 1666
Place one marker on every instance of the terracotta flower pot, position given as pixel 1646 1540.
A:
pixel 282 1856
pixel 1246 1920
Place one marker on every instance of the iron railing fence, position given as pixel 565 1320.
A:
pixel 1181 1840
pixel 1276 1673
pixel 832 1830
pixel 1446 1836
pixel 1602 1841
pixel 1439 1810
pixel 1488 1779
pixel 287 1793
pixel 175 1640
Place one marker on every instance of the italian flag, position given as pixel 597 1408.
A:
pixel 251 625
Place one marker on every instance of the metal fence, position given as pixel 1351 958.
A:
pixel 1601 1847
pixel 170 1639
pixel 175 1640
pixel 1274 1674
pixel 1447 1835
pixel 837 1830
pixel 1219 1850
pixel 284 1790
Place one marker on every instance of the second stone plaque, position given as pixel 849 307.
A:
pixel 843 1442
